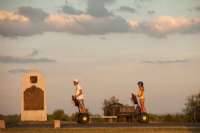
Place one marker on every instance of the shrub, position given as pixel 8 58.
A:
pixel 58 114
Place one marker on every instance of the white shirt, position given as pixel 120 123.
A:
pixel 78 89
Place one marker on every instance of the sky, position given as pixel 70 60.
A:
pixel 109 45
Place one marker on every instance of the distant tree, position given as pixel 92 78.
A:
pixel 59 114
pixel 1 117
pixel 193 102
pixel 168 118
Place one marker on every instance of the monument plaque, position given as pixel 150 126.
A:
pixel 33 103
pixel 33 98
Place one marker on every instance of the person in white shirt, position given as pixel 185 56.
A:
pixel 79 96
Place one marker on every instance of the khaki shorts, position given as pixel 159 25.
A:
pixel 81 102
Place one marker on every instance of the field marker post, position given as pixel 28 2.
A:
pixel 56 123
pixel 2 124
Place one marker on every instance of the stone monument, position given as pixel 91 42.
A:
pixel 33 97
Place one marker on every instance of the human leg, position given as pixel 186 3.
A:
pixel 142 105
pixel 82 106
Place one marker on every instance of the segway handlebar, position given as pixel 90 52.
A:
pixel 134 98
pixel 74 99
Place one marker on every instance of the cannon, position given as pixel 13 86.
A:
pixel 127 113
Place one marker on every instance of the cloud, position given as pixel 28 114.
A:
pixel 126 9
pixel 34 53
pixel 12 17
pixel 166 61
pixel 133 24
pixel 197 8
pixel 34 14
pixel 14 24
pixel 71 10
pixel 25 59
pixel 63 23
pixel 18 70
pixel 165 25
pixel 98 8
pixel 150 12
pixel 105 25
pixel 103 38
pixel 26 21
pixel 87 25
pixel 76 24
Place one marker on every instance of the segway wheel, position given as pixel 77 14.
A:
pixel 83 118
pixel 144 118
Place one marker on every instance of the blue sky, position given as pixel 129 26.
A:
pixel 108 45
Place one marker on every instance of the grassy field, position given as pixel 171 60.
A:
pixel 100 130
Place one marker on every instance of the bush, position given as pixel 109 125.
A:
pixel 66 118
pixel 168 118
pixel 11 119
pixel 50 117
pixel 154 117
pixel 192 103
pixel 58 114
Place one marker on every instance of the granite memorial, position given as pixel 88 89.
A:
pixel 33 97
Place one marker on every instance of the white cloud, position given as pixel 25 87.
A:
pixel 6 59
pixel 133 24
pixel 166 61
pixel 62 22
pixel 28 21
pixel 164 24
pixel 12 17
pixel 127 9
pixel 18 70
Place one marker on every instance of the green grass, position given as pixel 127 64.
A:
pixel 100 130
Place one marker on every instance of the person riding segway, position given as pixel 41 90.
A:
pixel 140 111
pixel 78 99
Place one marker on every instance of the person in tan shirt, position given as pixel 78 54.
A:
pixel 141 95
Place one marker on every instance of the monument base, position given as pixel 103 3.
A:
pixel 34 116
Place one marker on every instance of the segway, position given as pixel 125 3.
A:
pixel 82 117
pixel 140 116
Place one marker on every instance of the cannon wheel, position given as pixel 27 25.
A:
pixel 83 118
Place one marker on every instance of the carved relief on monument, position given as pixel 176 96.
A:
pixel 33 98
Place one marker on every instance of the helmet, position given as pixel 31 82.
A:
pixel 140 83
pixel 76 80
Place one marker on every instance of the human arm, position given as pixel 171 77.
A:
pixel 80 92
pixel 139 93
